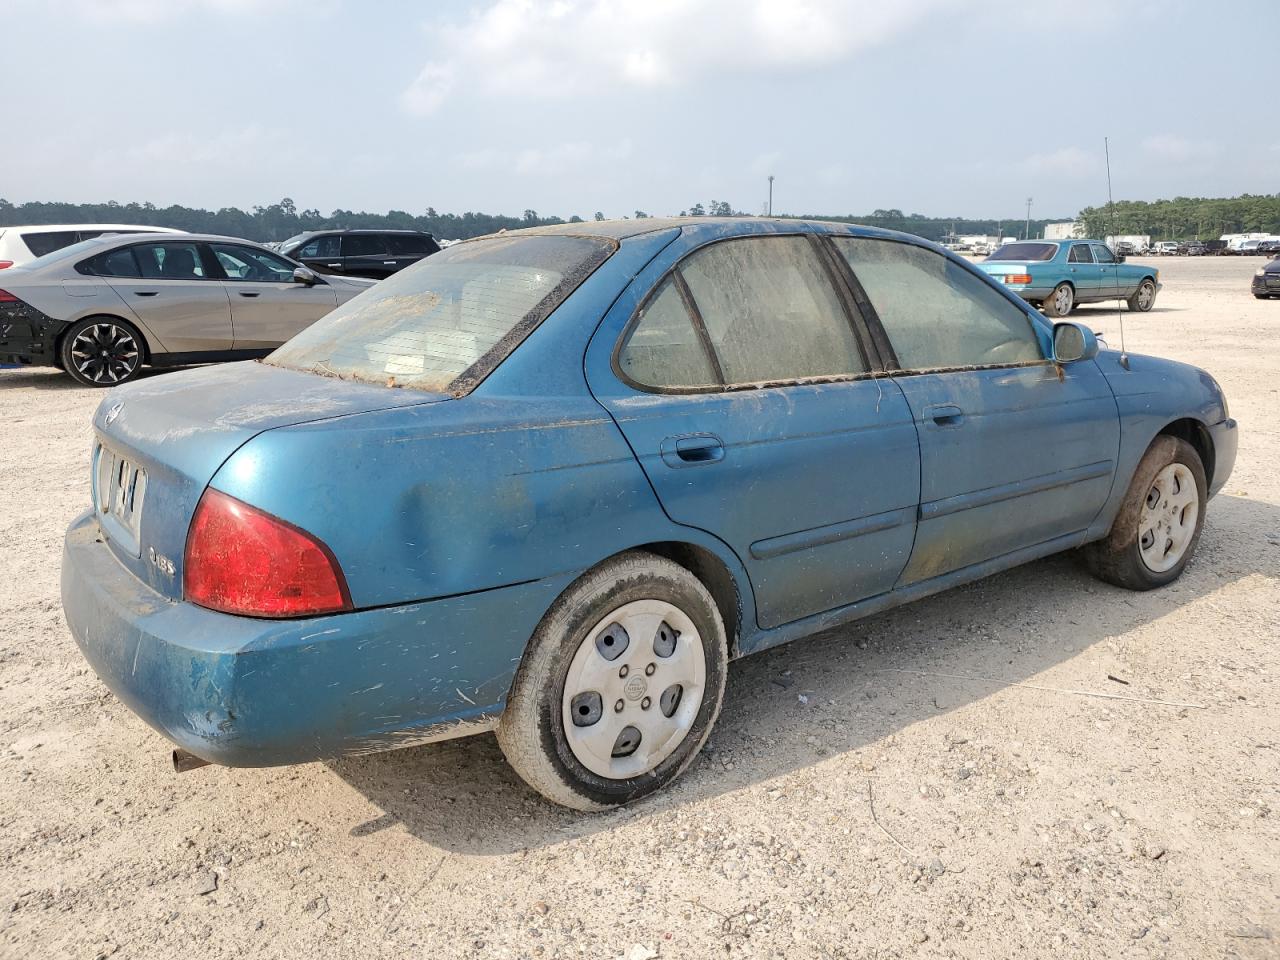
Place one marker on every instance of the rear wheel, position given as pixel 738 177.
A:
pixel 101 352
pixel 1144 298
pixel 1061 302
pixel 620 686
pixel 1158 527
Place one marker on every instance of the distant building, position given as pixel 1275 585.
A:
pixel 1071 230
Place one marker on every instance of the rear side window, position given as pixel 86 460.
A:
pixel 364 245
pixel 443 325
pixel 408 245
pixel 937 313
pixel 169 261
pixel 1080 254
pixel 322 247
pixel 663 348
pixel 40 243
pixel 115 263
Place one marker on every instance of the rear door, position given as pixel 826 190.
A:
pixel 1108 271
pixel 367 255
pixel 746 391
pixel 1085 275
pixel 1015 452
pixel 267 306
pixel 408 248
pixel 173 291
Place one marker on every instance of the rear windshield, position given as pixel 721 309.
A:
pixel 1025 251
pixel 444 323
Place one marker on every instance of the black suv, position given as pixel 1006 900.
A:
pixel 360 253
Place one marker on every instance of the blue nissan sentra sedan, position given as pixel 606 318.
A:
pixel 549 482
pixel 1059 275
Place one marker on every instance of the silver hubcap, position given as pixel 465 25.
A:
pixel 633 689
pixel 1062 300
pixel 105 353
pixel 1168 518
pixel 1146 293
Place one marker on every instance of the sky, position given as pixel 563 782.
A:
pixel 941 107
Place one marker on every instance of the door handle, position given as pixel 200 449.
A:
pixel 145 293
pixel 944 414
pixel 248 293
pixel 388 263
pixel 690 451
pixel 335 266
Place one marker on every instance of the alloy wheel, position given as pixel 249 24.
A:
pixel 105 353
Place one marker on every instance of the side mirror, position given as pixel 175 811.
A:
pixel 1120 258
pixel 305 276
pixel 1072 342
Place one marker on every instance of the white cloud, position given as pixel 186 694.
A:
pixel 429 89
pixel 155 11
pixel 1179 149
pixel 526 48
pixel 1063 163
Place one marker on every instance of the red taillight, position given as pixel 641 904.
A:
pixel 7 297
pixel 5 264
pixel 242 560
pixel 1023 278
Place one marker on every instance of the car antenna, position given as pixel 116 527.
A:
pixel 1111 219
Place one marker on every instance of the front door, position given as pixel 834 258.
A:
pixel 267 305
pixel 174 295
pixel 1109 270
pixel 744 389
pixel 1016 453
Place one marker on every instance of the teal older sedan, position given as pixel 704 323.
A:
pixel 1058 275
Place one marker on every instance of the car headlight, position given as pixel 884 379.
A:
pixel 1260 272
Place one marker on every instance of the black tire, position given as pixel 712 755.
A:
pixel 532 730
pixel 1061 302
pixel 102 352
pixel 1118 558
pixel 1135 302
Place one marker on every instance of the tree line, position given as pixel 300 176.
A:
pixel 1175 219
pixel 1185 218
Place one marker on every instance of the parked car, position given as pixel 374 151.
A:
pixel 1059 275
pixel 1124 248
pixel 360 253
pixel 101 309
pixel 1266 281
pixel 1196 249
pixel 20 245
pixel 549 482
pixel 1269 248
pixel 1167 248
pixel 1248 248
pixel 1215 248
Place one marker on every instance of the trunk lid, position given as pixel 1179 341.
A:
pixel 157 443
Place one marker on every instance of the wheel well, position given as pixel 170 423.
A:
pixel 715 576
pixel 1194 433
pixel 146 347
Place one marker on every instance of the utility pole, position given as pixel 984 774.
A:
pixel 1026 235
pixel 771 194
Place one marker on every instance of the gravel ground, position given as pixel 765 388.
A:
pixel 1013 815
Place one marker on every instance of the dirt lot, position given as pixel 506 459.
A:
pixel 1013 820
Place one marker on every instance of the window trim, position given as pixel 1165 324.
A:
pixel 871 361
pixel 1088 248
pixel 873 317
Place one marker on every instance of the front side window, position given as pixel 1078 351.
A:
pixel 444 324
pixel 245 263
pixel 364 245
pixel 937 313
pixel 320 247
pixel 169 261
pixel 1102 253
pixel 1080 254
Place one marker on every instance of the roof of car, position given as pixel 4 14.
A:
pixel 53 227
pixel 319 233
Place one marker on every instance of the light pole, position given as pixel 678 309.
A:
pixel 771 194
pixel 1026 234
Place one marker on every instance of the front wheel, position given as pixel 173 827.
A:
pixel 1061 302
pixel 1158 527
pixel 620 686
pixel 101 352
pixel 1144 298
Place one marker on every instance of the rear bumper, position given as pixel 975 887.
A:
pixel 246 692
pixel 1226 439
pixel 28 336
